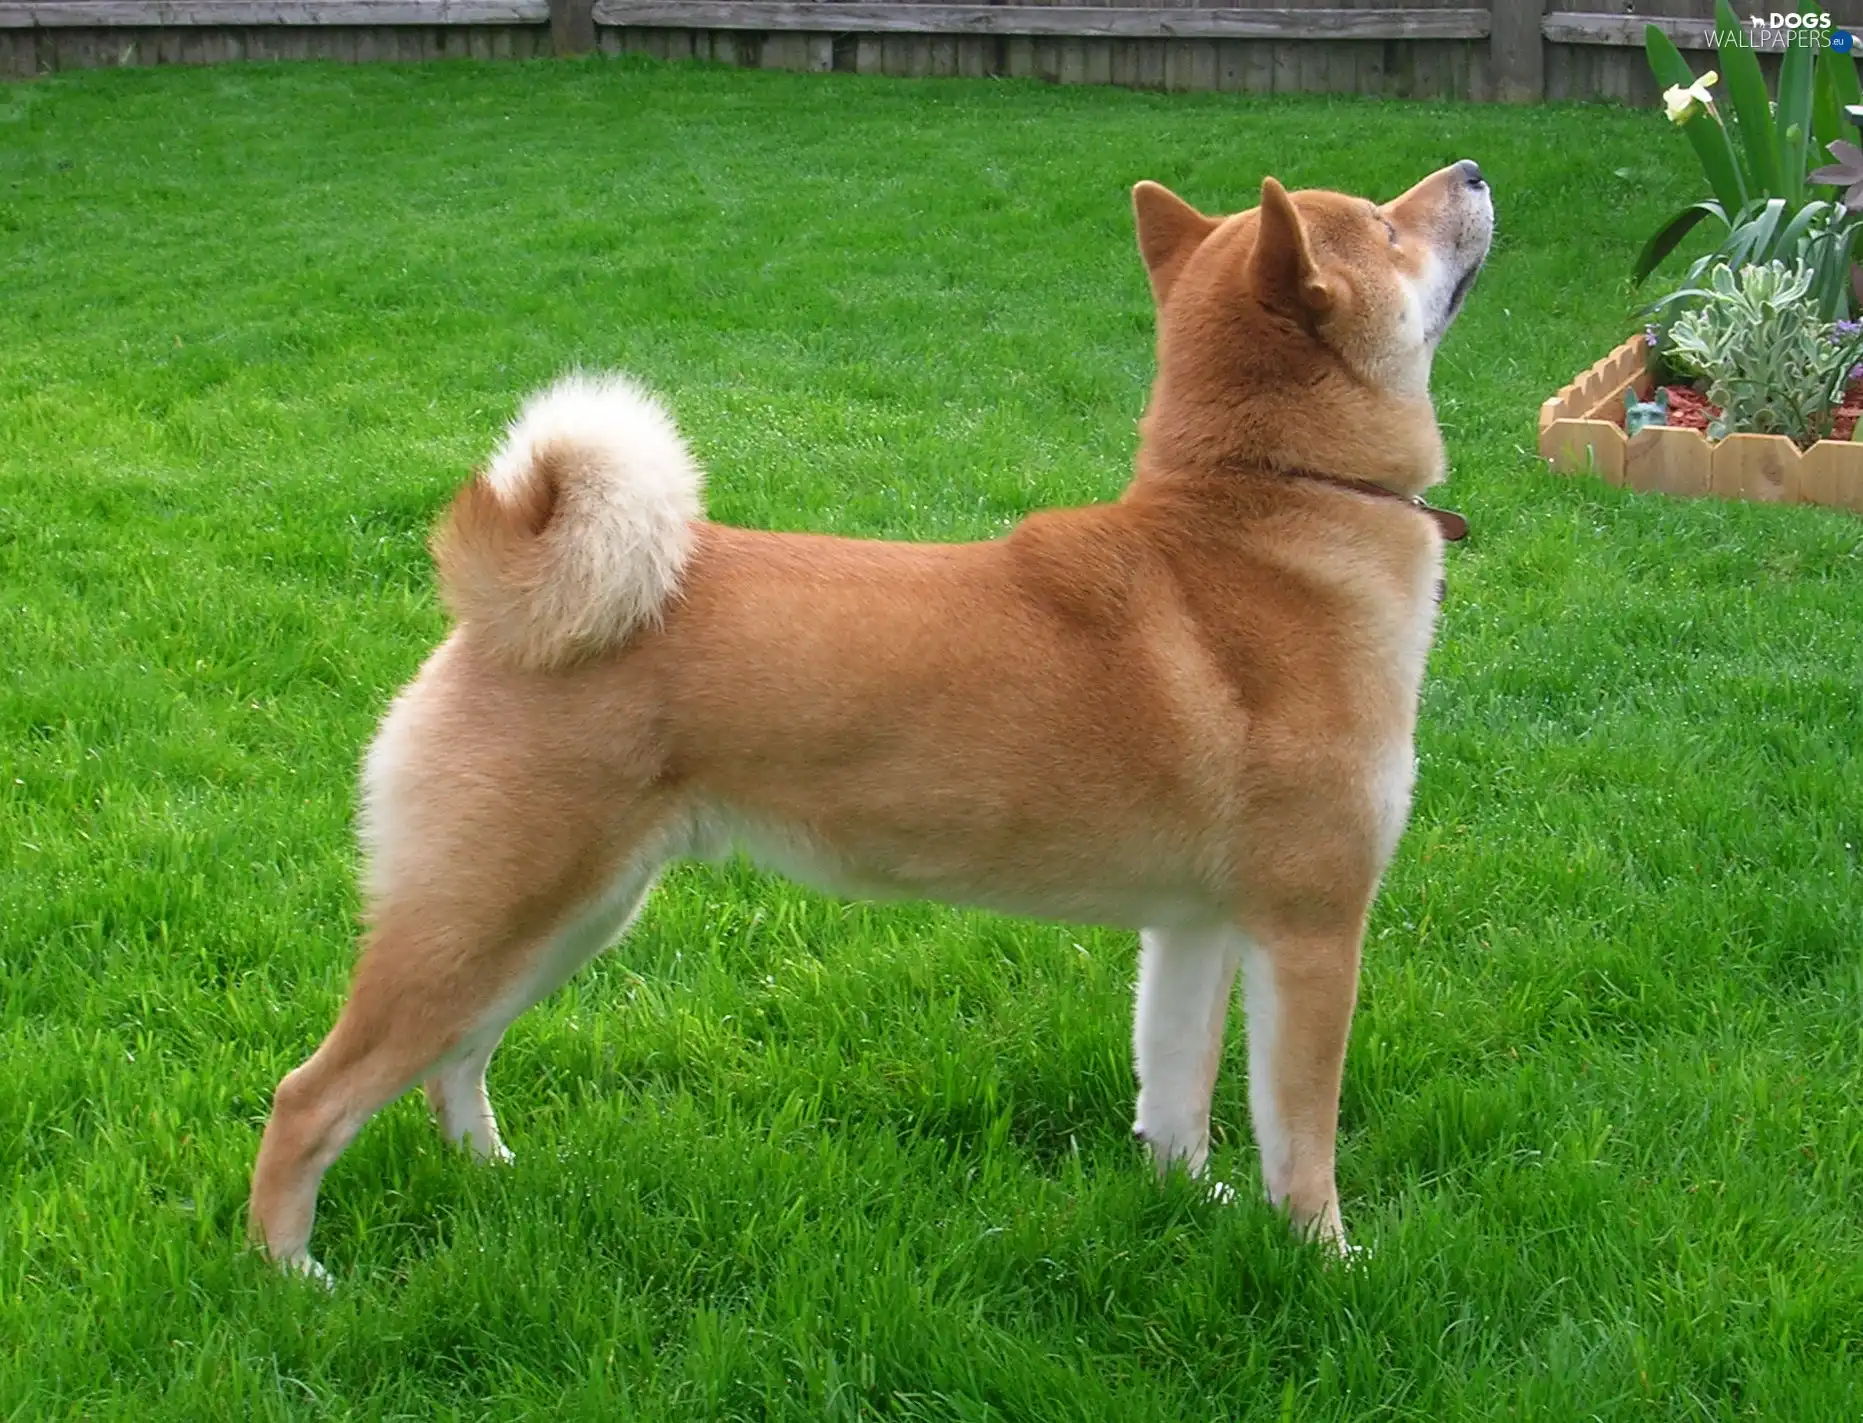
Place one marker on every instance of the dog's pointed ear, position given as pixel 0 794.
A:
pixel 1169 230
pixel 1282 264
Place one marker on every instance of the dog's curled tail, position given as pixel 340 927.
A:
pixel 577 532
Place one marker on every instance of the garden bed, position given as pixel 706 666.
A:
pixel 1581 431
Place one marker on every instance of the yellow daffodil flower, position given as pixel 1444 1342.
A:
pixel 1682 104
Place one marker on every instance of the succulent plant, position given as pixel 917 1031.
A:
pixel 1771 365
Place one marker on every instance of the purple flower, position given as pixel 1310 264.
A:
pixel 1856 373
pixel 1844 330
pixel 1845 173
pixel 1650 334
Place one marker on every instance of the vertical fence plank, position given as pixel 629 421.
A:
pixel 1313 66
pixel 1176 65
pixel 1203 64
pixel 1516 50
pixel 1048 59
pixel 1424 73
pixel 572 26
pixel 1480 72
pixel 1073 62
pixel 1151 64
pixel 1342 67
pixel 1258 67
pixel 1286 68
pixel 1229 65
pixel 1125 65
pixel 1371 68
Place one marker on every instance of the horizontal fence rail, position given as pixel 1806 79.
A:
pixel 1512 50
pixel 1068 21
pixel 160 14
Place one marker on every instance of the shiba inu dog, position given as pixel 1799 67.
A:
pixel 1189 712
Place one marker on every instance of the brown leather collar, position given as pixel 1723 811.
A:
pixel 1453 526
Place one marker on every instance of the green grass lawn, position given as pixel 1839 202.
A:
pixel 782 1156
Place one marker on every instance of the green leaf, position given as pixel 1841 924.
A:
pixel 1827 119
pixel 1713 149
pixel 1752 237
pixel 1794 119
pixel 1670 236
pixel 1840 72
pixel 1746 93
pixel 1665 60
pixel 1800 226
pixel 1843 71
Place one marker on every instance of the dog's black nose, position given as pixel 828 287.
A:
pixel 1471 173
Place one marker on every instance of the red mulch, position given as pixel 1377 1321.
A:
pixel 1848 412
pixel 1690 410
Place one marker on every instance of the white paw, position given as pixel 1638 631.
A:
pixel 487 1148
pixel 1219 1193
pixel 307 1268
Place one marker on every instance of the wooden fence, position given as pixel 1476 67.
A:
pixel 1510 50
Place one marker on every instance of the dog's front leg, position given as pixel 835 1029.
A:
pixel 1300 991
pixel 1177 1038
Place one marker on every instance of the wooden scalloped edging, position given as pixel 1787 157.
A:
pixel 1579 435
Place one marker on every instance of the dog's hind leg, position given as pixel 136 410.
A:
pixel 460 1101
pixel 389 1032
pixel 1185 977
pixel 434 990
pixel 492 878
pixel 456 1091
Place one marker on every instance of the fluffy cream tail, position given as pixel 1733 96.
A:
pixel 577 532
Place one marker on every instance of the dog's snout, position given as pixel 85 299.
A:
pixel 1471 173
